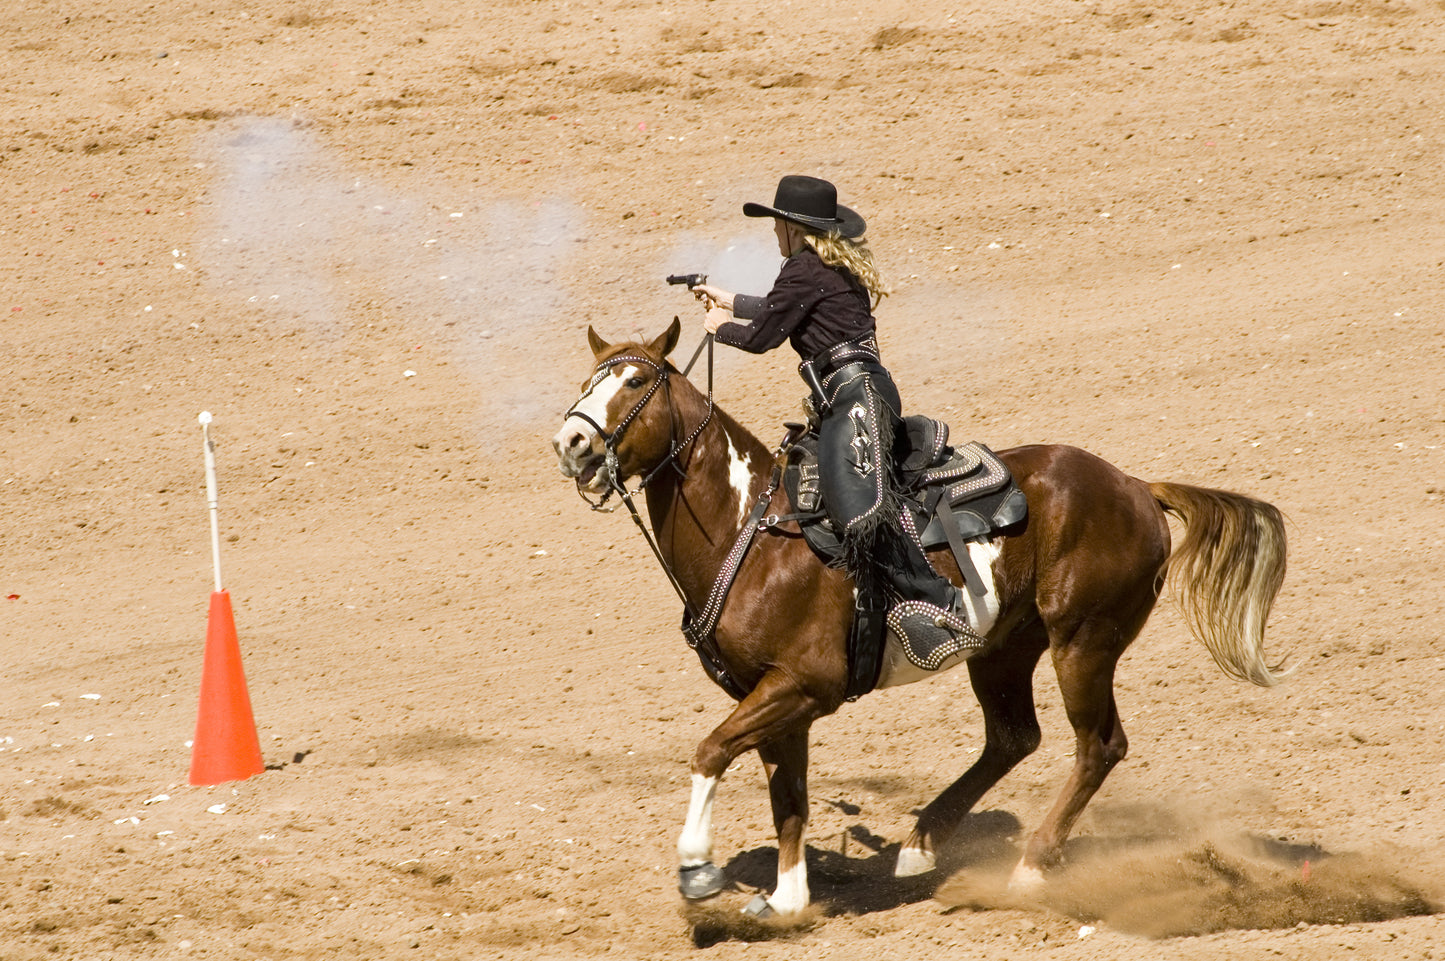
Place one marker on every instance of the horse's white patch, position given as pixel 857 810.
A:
pixel 983 611
pixel 694 845
pixel 791 894
pixel 740 477
pixel 982 616
pixel 593 403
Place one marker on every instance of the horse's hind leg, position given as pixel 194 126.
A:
pixel 786 763
pixel 1003 683
pixel 1085 667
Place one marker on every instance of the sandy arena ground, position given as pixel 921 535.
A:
pixel 1201 240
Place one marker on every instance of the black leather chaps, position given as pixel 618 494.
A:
pixel 859 418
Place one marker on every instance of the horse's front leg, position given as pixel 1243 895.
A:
pixel 697 876
pixel 777 714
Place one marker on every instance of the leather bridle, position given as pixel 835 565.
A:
pixel 610 440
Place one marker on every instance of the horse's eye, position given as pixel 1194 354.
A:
pixel 634 382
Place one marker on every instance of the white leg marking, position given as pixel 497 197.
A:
pixel 740 478
pixel 791 894
pixel 694 845
pixel 1026 880
pixel 913 862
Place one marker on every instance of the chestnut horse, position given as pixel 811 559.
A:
pixel 1079 582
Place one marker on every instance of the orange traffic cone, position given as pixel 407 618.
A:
pixel 225 748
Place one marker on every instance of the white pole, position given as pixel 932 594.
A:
pixel 211 495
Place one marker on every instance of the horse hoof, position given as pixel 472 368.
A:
pixel 699 881
pixel 759 908
pixel 913 862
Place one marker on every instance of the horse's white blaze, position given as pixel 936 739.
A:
pixel 594 404
pixel 982 616
pixel 694 845
pixel 740 477
pixel 791 894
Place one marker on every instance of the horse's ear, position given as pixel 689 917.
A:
pixel 664 344
pixel 597 344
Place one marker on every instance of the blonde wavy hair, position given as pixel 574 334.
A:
pixel 835 250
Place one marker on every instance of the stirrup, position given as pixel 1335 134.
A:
pixel 931 634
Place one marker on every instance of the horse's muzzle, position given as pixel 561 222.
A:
pixel 579 454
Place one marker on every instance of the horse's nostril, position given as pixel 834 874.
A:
pixel 569 444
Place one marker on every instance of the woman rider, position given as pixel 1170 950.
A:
pixel 822 303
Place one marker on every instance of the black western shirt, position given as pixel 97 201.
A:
pixel 811 304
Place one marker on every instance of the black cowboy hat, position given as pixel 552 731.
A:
pixel 811 203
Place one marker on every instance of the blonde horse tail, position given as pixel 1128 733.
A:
pixel 1226 574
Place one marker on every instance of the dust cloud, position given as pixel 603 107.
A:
pixel 305 241
pixel 1209 881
